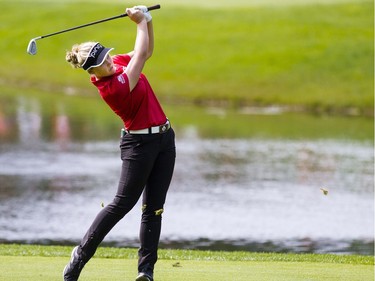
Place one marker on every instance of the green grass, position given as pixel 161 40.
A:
pixel 317 57
pixel 39 263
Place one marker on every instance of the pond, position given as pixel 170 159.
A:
pixel 243 186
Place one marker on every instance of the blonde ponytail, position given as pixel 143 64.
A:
pixel 77 56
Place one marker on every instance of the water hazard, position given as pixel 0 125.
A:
pixel 227 194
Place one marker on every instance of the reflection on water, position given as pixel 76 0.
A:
pixel 25 123
pixel 249 194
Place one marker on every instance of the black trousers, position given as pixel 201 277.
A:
pixel 147 166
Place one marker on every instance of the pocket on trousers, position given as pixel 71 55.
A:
pixel 129 144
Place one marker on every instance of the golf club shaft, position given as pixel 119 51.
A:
pixel 95 22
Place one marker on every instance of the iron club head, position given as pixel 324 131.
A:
pixel 31 48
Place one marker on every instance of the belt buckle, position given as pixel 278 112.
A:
pixel 163 128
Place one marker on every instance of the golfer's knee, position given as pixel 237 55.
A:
pixel 121 206
pixel 150 213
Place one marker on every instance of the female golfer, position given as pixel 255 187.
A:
pixel 147 144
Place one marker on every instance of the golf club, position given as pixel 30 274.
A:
pixel 32 50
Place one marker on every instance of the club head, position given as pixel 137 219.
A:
pixel 31 48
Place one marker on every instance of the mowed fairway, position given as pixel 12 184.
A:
pixel 42 263
pixel 48 268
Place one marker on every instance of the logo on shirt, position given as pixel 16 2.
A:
pixel 121 79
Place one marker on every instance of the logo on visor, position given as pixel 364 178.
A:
pixel 95 50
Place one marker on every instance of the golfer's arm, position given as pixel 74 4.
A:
pixel 150 30
pixel 140 53
pixel 150 51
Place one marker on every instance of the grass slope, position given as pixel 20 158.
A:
pixel 314 56
pixel 25 262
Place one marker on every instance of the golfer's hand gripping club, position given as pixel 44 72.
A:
pixel 145 11
pixel 32 50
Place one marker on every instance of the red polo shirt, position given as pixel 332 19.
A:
pixel 139 108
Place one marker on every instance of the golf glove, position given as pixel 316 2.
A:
pixel 145 11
